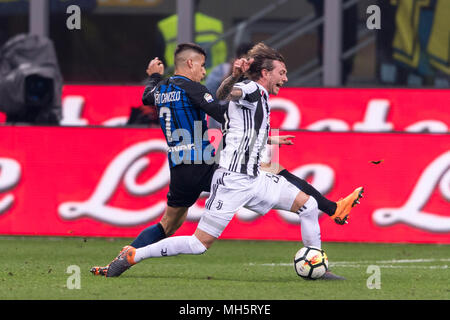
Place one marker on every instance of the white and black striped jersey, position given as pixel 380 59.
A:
pixel 245 129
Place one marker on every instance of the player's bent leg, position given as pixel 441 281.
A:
pixel 325 205
pixel 277 193
pixel 310 228
pixel 303 203
pixel 306 208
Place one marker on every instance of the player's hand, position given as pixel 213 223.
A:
pixel 240 66
pixel 280 140
pixel 155 66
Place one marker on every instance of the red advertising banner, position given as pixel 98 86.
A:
pixel 99 105
pixel 85 181
pixel 361 110
pixel 317 109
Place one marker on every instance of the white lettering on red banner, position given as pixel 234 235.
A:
pixel 9 177
pixel 126 166
pixel 436 175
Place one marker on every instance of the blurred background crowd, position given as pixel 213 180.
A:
pixel 117 38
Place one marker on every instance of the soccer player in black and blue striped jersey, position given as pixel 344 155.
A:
pixel 182 103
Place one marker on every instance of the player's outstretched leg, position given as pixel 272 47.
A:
pixel 168 247
pixel 172 219
pixel 339 210
pixel 149 235
pixel 120 264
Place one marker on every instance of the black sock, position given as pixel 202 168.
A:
pixel 325 205
pixel 149 235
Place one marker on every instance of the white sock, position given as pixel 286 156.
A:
pixel 170 247
pixel 310 205
pixel 309 222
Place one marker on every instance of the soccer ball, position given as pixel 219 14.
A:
pixel 310 263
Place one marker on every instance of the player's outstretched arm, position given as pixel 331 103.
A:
pixel 201 98
pixel 280 140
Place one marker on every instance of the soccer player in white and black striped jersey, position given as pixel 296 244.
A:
pixel 339 210
pixel 238 182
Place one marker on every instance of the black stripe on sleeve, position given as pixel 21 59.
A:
pixel 253 97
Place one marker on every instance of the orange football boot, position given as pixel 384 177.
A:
pixel 344 206
pixel 122 262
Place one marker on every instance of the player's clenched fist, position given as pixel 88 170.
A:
pixel 240 66
pixel 155 66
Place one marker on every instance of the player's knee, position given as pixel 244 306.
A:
pixel 307 208
pixel 300 199
pixel 196 245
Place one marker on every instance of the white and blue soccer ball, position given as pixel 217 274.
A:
pixel 311 263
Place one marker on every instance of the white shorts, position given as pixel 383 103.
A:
pixel 231 191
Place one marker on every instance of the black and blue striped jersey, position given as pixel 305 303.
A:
pixel 182 107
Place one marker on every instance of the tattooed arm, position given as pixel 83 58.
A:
pixel 226 90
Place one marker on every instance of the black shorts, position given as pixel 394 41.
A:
pixel 187 182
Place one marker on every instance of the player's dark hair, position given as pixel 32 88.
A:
pixel 189 46
pixel 263 59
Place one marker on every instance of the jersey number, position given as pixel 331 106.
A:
pixel 165 113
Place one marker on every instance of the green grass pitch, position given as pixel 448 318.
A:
pixel 36 268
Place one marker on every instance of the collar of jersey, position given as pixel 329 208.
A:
pixel 178 76
pixel 263 89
